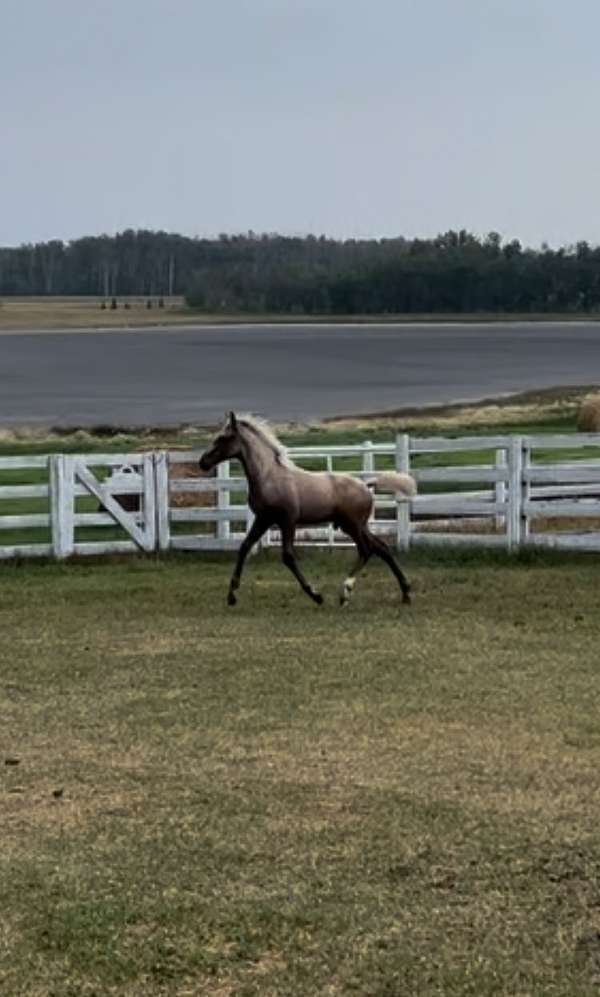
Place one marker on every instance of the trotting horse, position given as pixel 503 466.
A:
pixel 283 495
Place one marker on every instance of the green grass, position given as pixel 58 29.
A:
pixel 286 800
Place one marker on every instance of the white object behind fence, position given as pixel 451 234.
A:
pixel 72 501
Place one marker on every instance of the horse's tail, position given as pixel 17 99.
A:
pixel 392 481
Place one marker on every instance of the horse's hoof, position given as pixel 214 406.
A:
pixel 318 598
pixel 406 599
pixel 231 599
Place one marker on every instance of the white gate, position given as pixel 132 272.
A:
pixel 75 478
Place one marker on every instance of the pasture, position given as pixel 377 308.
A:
pixel 289 800
pixel 85 312
pixel 74 312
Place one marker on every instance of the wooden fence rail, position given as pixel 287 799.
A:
pixel 490 490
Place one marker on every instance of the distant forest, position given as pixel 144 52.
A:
pixel 456 272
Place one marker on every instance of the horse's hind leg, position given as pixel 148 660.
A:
pixel 350 580
pixel 381 549
pixel 364 553
pixel 289 559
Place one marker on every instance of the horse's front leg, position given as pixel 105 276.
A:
pixel 289 559
pixel 256 531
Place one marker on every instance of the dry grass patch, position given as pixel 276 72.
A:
pixel 551 405
pixel 33 313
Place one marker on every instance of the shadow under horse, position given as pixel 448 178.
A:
pixel 286 496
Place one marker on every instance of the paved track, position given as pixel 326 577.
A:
pixel 166 377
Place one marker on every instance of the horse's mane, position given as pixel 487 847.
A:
pixel 262 429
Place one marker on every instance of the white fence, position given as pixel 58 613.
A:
pixel 503 490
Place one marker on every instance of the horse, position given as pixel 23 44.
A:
pixel 286 496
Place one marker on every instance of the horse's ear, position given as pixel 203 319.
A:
pixel 233 422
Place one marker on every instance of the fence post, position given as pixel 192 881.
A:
pixel 161 486
pixel 500 490
pixel 148 503
pixel 368 457
pixel 223 502
pixel 525 488
pixel 403 506
pixel 62 505
pixel 368 465
pixel 515 479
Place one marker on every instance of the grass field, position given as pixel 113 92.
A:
pixel 72 312
pixel 49 313
pixel 286 800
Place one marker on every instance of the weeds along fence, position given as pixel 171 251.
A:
pixel 505 491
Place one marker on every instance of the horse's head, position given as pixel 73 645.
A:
pixel 225 446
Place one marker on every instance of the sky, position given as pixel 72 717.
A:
pixel 350 118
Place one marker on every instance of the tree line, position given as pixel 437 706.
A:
pixel 456 272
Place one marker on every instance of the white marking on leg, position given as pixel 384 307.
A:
pixel 347 588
